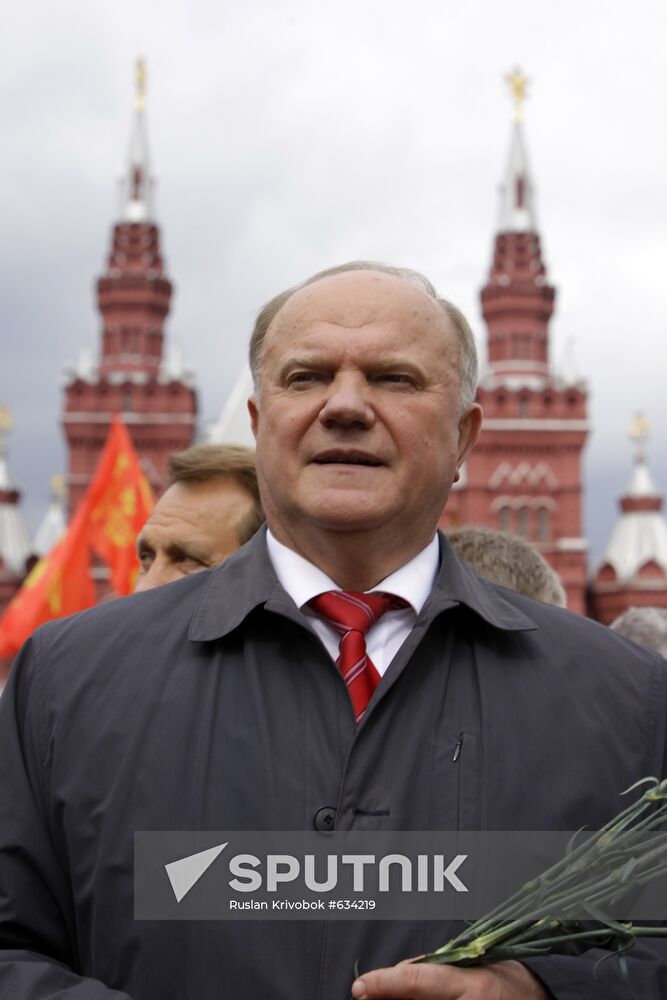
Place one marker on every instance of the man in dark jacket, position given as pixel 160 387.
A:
pixel 342 670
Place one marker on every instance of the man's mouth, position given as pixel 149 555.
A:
pixel 338 457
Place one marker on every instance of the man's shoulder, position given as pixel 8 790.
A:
pixel 562 634
pixel 551 637
pixel 137 612
pixel 160 611
pixel 553 632
pixel 122 644
pixel 136 638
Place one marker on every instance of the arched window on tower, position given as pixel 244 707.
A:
pixel 523 526
pixel 543 525
pixel 505 519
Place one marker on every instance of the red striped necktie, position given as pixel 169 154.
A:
pixel 352 614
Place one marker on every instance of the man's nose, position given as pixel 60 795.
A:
pixel 348 402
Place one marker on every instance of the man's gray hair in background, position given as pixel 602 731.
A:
pixel 468 367
pixel 508 560
pixel 647 626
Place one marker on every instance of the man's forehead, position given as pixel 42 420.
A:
pixel 359 298
pixel 192 501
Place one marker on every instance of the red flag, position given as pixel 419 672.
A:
pixel 120 499
pixel 58 585
pixel 109 517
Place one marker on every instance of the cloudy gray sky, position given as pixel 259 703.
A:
pixel 293 134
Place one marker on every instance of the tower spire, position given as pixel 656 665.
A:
pixel 633 571
pixel 526 474
pixel 517 197
pixel 518 84
pixel 517 301
pixel 641 485
pixel 136 185
pixel 131 375
pixel 638 431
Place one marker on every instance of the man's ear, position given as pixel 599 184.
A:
pixel 470 427
pixel 254 415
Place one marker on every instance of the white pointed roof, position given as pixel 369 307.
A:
pixel 14 535
pixel 637 538
pixel 233 424
pixel 641 483
pixel 640 533
pixel 54 523
pixel 517 197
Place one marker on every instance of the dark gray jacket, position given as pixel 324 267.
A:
pixel 210 704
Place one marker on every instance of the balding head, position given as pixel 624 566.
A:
pixel 467 357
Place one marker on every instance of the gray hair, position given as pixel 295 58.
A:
pixel 467 367
pixel 508 560
pixel 647 626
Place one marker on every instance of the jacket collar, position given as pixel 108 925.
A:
pixel 458 584
pixel 247 581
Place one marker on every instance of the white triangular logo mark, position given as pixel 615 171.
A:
pixel 186 871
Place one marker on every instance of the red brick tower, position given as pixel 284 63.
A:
pixel 633 570
pixel 155 397
pixel 525 474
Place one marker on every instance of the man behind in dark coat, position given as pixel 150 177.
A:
pixel 215 703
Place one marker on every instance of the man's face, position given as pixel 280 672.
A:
pixel 193 526
pixel 357 422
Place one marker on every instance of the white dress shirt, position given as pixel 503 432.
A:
pixel 413 582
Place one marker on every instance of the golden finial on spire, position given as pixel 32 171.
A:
pixel 638 432
pixel 639 426
pixel 5 426
pixel 5 417
pixel 58 488
pixel 140 97
pixel 518 84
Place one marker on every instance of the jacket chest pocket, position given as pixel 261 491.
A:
pixel 455 795
pixel 465 760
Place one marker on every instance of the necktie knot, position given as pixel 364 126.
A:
pixel 352 614
pixel 350 610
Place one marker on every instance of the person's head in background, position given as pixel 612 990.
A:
pixel 647 626
pixel 210 508
pixel 510 561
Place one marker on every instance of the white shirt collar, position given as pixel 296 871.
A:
pixel 303 580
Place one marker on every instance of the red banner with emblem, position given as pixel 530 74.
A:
pixel 59 584
pixel 120 499
pixel 108 520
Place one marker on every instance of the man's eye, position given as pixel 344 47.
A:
pixel 145 557
pixel 184 559
pixel 302 378
pixel 396 378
